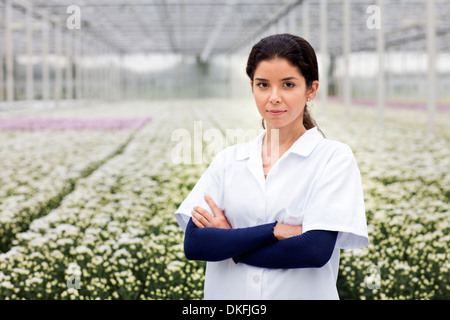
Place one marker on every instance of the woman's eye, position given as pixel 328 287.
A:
pixel 262 85
pixel 289 84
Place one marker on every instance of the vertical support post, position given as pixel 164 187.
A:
pixel 229 74
pixel 100 74
pixel 2 85
pixel 58 69
pixel 120 78
pixel 86 73
pixel 9 52
pixel 347 50
pixel 324 52
pixel 112 77
pixel 45 64
pixel 105 75
pixel 29 37
pixel 381 48
pixel 78 94
pixel 432 72
pixel 69 66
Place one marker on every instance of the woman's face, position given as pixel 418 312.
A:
pixel 280 92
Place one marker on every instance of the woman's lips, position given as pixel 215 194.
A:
pixel 276 112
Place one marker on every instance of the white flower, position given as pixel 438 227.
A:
pixel 20 271
pixel 73 269
pixel 121 252
pixel 67 229
pixel 6 285
pixel 64 241
pixel 83 249
pixel 104 249
pixel 33 281
pixel 38 241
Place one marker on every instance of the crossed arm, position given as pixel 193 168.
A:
pixel 273 245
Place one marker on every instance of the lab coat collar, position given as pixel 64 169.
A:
pixel 307 142
pixel 303 146
pixel 246 149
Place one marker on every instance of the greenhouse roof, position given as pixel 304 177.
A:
pixel 211 27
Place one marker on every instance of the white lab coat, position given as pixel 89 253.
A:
pixel 316 184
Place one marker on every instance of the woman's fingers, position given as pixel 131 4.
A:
pixel 219 220
pixel 197 223
pixel 215 209
pixel 205 214
pixel 202 216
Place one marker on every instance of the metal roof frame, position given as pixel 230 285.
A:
pixel 206 27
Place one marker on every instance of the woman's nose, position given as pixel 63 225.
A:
pixel 275 97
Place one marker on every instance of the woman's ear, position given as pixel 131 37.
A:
pixel 313 90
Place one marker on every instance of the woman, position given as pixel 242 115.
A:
pixel 271 215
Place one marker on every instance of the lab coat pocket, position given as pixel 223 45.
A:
pixel 294 218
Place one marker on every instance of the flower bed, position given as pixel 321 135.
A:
pixel 71 124
pixel 407 193
pixel 40 167
pixel 115 232
pixel 114 235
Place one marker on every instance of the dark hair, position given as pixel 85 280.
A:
pixel 294 49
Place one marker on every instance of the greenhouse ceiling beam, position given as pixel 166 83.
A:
pixel 164 19
pixel 39 13
pixel 117 34
pixel 279 13
pixel 364 44
pixel 139 18
pixel 56 21
pixel 182 25
pixel 217 30
pixel 169 5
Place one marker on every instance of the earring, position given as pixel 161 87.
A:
pixel 309 99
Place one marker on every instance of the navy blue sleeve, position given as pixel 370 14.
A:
pixel 215 244
pixel 311 249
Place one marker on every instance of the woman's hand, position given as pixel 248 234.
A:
pixel 202 218
pixel 284 231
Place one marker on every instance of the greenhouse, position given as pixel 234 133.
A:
pixel 111 111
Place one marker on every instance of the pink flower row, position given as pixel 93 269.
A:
pixel 71 124
pixel 393 104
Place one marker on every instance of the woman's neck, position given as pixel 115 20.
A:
pixel 276 142
pixel 284 137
